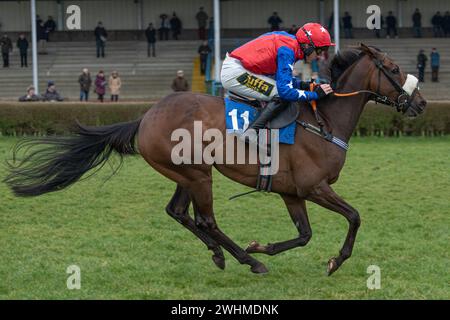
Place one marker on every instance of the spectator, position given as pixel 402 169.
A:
pixel 274 21
pixel 42 37
pixel 6 48
pixel 22 44
pixel 378 30
pixel 164 27
pixel 435 63
pixel 421 63
pixel 85 82
pixel 437 22
pixel 51 94
pixel 100 39
pixel 175 26
pixel 150 34
pixel 202 20
pixel 293 30
pixel 180 83
pixel 50 26
pixel 348 26
pixel 203 51
pixel 417 23
pixel 114 85
pixel 391 23
pixel 447 24
pixel 100 85
pixel 30 96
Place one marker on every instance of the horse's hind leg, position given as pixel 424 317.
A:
pixel 201 195
pixel 297 211
pixel 178 208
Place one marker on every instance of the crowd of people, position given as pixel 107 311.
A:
pixel 173 26
pixel 100 85
pixel 434 63
pixel 440 23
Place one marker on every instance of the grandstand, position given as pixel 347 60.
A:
pixel 150 78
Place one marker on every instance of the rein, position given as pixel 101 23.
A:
pixel 406 95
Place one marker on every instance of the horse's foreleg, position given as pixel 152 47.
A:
pixel 324 196
pixel 201 195
pixel 178 208
pixel 297 211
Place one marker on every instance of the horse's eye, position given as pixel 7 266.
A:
pixel 396 70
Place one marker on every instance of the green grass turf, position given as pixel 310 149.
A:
pixel 127 246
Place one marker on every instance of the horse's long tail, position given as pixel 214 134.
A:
pixel 54 163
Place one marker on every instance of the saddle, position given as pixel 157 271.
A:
pixel 284 118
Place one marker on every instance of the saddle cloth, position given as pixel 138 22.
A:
pixel 239 115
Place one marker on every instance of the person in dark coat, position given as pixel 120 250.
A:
pixel 164 27
pixel 417 23
pixel 378 31
pixel 6 48
pixel 175 25
pixel 51 94
pixel 30 96
pixel 85 82
pixel 391 24
pixel 202 21
pixel 100 39
pixel 150 34
pixel 100 85
pixel 203 51
pixel 274 21
pixel 50 26
pixel 437 22
pixel 447 24
pixel 348 26
pixel 22 44
pixel 180 83
pixel 421 64
pixel 42 37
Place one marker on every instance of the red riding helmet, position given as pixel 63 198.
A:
pixel 315 35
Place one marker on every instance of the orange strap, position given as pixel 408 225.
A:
pixel 346 94
pixel 313 102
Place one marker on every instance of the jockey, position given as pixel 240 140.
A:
pixel 262 69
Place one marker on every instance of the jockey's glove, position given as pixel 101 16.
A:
pixel 305 85
pixel 320 93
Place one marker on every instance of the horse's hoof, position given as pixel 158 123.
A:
pixel 219 261
pixel 259 268
pixel 332 266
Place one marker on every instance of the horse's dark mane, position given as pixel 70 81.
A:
pixel 342 61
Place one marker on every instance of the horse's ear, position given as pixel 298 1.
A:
pixel 366 49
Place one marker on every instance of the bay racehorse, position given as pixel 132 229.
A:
pixel 306 169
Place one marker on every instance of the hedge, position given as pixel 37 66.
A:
pixel 59 118
pixel 39 118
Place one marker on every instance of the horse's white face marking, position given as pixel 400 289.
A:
pixel 410 84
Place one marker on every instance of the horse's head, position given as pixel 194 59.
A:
pixel 392 85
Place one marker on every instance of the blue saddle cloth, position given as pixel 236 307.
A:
pixel 238 115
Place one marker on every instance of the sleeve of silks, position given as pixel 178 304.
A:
pixel 285 85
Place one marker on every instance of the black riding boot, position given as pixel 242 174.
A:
pixel 268 113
